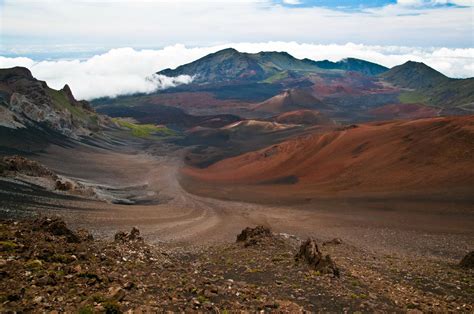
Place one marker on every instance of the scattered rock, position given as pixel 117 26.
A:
pixel 25 166
pixel 335 241
pixel 468 260
pixel 57 227
pixel 84 235
pixel 309 253
pixel 124 237
pixel 64 185
pixel 116 293
pixel 252 236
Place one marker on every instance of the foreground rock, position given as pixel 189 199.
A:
pixel 252 236
pixel 124 237
pixel 45 266
pixel 309 253
pixel 468 260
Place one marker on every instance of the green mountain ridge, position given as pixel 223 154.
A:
pixel 430 86
pixel 231 65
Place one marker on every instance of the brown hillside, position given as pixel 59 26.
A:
pixel 425 154
pixel 304 116
pixel 289 100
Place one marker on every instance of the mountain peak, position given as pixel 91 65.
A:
pixel 231 65
pixel 20 72
pixel 414 75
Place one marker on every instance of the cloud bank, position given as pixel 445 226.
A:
pixel 159 23
pixel 126 70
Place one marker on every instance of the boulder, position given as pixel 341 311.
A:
pixel 25 166
pixel 124 237
pixel 310 254
pixel 57 227
pixel 63 185
pixel 251 236
pixel 468 260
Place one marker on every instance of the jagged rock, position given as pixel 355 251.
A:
pixel 64 185
pixel 252 236
pixel 84 235
pixel 468 260
pixel 309 253
pixel 116 293
pixel 28 102
pixel 335 241
pixel 25 166
pixel 133 236
pixel 57 227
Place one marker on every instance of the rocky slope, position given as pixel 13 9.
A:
pixel 231 65
pixel 45 266
pixel 431 87
pixel 403 156
pixel 304 117
pixel 290 100
pixel 26 102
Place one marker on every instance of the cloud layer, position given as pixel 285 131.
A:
pixel 158 23
pixel 126 70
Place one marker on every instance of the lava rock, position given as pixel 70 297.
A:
pixel 133 236
pixel 252 236
pixel 310 253
pixel 468 260
pixel 57 227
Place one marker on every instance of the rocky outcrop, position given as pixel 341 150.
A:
pixel 124 237
pixel 310 254
pixel 252 236
pixel 25 166
pixel 28 102
pixel 468 260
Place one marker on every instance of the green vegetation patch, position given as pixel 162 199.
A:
pixel 412 97
pixel 277 77
pixel 145 130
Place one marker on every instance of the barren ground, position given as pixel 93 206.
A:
pixel 397 254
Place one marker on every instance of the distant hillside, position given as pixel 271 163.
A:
pixel 416 75
pixel 354 65
pixel 430 86
pixel 394 156
pixel 231 65
pixel 290 100
pixel 304 117
pixel 26 102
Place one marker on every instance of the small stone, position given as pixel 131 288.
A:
pixel 116 293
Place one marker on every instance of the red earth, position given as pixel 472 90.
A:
pixel 385 157
pixel 404 111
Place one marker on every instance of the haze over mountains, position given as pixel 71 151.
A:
pixel 349 90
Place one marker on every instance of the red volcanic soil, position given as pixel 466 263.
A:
pixel 289 100
pixel 388 157
pixel 350 84
pixel 404 111
pixel 304 116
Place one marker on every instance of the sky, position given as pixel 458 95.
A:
pixel 111 47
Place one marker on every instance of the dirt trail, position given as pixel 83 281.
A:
pixel 170 214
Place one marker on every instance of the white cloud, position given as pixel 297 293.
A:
pixel 434 2
pixel 156 23
pixel 292 2
pixel 126 70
